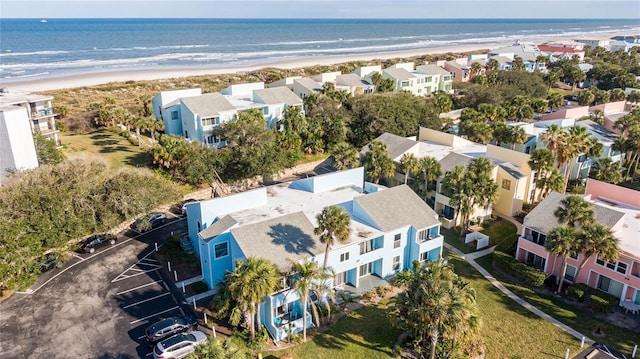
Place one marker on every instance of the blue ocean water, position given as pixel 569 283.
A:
pixel 34 48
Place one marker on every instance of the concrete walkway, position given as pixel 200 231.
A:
pixel 512 220
pixel 471 259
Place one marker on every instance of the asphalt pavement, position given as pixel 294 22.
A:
pixel 97 305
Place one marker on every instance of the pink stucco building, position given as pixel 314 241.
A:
pixel 617 208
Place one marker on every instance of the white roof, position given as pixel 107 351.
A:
pixel 629 235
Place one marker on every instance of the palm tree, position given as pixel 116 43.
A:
pixel 555 100
pixel 608 171
pixel 409 164
pixel 518 136
pixel 476 68
pixel 377 163
pixel 541 161
pixel 552 137
pixel 344 156
pixel 431 170
pixel 333 226
pixel 251 281
pixel 577 141
pixel 575 210
pixel 553 182
pixel 215 348
pixel 562 242
pixel 597 239
pixel 154 125
pixel 436 306
pixel 305 273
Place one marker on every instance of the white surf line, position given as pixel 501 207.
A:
pixel 153 315
pixel 138 287
pixel 146 300
pixel 108 249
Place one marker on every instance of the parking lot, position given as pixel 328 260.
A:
pixel 97 305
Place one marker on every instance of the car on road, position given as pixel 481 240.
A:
pixel 90 244
pixel 183 205
pixel 149 221
pixel 179 346
pixel 168 327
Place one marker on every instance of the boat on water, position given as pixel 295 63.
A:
pixel 43 20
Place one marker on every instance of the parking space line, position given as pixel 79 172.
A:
pixel 154 315
pixel 77 256
pixel 140 286
pixel 146 300
pixel 137 271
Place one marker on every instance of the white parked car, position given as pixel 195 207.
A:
pixel 179 346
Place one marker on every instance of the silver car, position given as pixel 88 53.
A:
pixel 179 346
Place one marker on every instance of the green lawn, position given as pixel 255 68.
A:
pixel 363 333
pixel 497 231
pixel 617 338
pixel 117 150
pixel 508 329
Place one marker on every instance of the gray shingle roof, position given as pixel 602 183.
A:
pixel 309 84
pixel 454 159
pixel 352 80
pixel 396 145
pixel 397 207
pixel 287 237
pixel 543 220
pixel 208 105
pixel 399 74
pixel 278 95
pixel 433 70
pixel 217 228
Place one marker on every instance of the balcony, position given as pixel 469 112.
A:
pixel 44 112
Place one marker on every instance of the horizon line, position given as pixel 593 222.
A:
pixel 320 18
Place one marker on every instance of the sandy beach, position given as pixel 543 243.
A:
pixel 92 79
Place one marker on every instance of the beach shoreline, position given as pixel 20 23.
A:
pixel 101 78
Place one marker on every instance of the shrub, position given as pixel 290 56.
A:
pixel 133 140
pixel 369 295
pixel 603 302
pixel 551 282
pixel 199 287
pixel 383 290
pixel 521 271
pixel 578 291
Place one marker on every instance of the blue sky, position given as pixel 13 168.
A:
pixel 321 9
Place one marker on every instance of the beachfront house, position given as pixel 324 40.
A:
pixel 615 207
pixel 424 80
pixel 390 228
pixel 194 116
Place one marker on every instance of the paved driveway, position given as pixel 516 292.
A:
pixel 97 306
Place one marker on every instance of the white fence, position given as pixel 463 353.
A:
pixel 482 240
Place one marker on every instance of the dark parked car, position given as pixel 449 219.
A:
pixel 97 240
pixel 49 261
pixel 149 221
pixel 168 327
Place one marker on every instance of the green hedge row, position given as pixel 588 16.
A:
pixel 523 272
pixel 603 302
pixel 578 291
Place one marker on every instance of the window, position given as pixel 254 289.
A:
pixel 506 184
pixel 207 122
pixel 344 257
pixel 396 240
pixel 368 246
pixel 396 263
pixel 424 256
pixel 570 274
pixel 265 110
pixel 186 134
pixel 221 250
pixel 366 269
pixel 538 238
pixel 423 235
pixel 404 83
pixel 174 115
pixel 619 267
pixel 340 278
pixel 535 261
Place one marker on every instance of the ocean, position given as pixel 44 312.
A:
pixel 37 49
